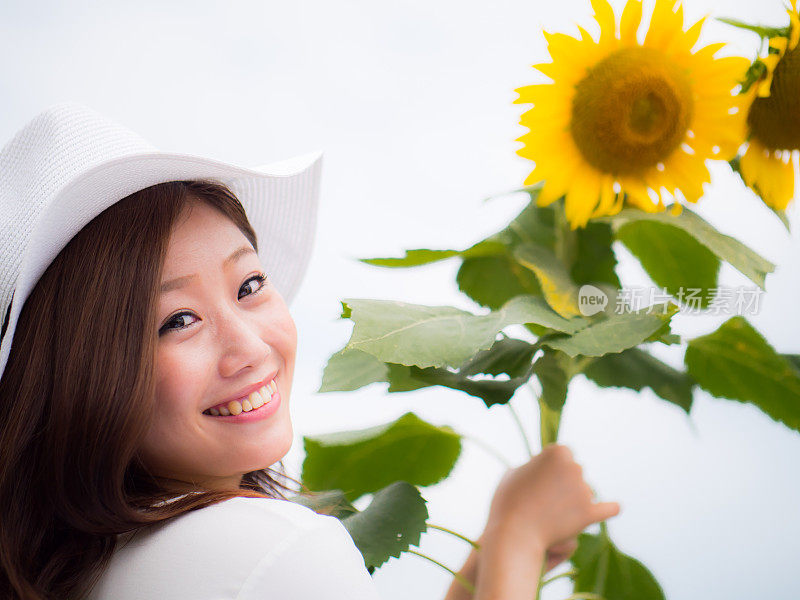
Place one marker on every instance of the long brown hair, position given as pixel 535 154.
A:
pixel 75 400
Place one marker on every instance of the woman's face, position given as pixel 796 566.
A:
pixel 222 333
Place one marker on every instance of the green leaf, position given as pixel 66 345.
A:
pixel 763 31
pixel 329 502
pixel 726 248
pixel 595 260
pixel 440 336
pixel 557 286
pixel 611 574
pixel 348 370
pixel 533 225
pixel 615 334
pixel 345 311
pixel 492 281
pixel 362 462
pixel 531 190
pixel 423 256
pixel 554 378
pixel 392 523
pixel 782 217
pixel 491 391
pixel 673 259
pixel 401 378
pixel 637 369
pixel 508 356
pixel 794 360
pixel 737 363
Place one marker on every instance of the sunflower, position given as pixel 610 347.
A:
pixel 629 121
pixel 773 119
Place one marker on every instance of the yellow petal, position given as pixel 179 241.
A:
pixel 582 198
pixel 693 33
pixel 636 192
pixel 768 176
pixel 606 205
pixel 663 24
pixel 676 209
pixel 604 15
pixel 630 21
pixel 794 22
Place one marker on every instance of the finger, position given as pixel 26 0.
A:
pixel 604 510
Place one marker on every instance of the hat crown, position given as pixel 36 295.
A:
pixel 57 144
pixel 43 157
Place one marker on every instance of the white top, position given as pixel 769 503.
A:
pixel 239 549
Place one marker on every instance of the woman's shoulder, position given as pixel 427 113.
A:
pixel 244 517
pixel 241 523
pixel 239 548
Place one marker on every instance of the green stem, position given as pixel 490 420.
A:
pixel 540 585
pixel 518 421
pixel 565 238
pixel 474 544
pixel 570 573
pixel 549 421
pixel 604 529
pixel 461 579
pixel 488 449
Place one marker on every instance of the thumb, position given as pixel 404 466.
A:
pixel 604 510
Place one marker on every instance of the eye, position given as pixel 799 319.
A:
pixel 260 278
pixel 177 318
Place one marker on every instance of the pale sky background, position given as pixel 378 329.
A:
pixel 412 103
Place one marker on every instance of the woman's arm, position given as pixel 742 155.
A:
pixel 537 511
pixel 469 571
pixel 504 574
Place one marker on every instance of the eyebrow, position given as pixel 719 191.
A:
pixel 178 282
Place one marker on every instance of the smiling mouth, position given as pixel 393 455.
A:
pixel 255 400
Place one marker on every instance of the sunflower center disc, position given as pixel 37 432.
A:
pixel 631 111
pixel 775 120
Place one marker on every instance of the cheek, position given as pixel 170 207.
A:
pixel 289 338
pixel 280 331
pixel 178 377
pixel 178 385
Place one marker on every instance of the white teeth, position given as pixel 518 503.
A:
pixel 253 401
pixel 256 400
pixel 265 394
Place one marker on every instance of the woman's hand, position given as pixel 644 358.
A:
pixel 544 504
pixel 537 511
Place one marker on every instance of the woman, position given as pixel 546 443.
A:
pixel 147 358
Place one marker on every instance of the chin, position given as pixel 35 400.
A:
pixel 269 454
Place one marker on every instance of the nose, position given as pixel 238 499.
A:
pixel 241 344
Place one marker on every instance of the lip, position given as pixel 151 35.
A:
pixel 244 392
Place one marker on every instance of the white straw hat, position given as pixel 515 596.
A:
pixel 69 164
